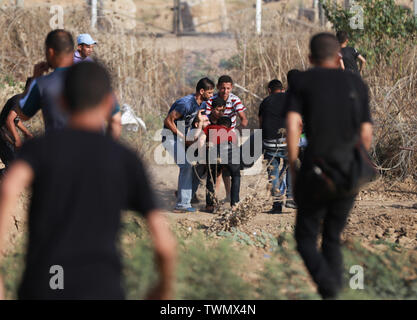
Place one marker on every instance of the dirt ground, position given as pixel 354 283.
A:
pixel 382 211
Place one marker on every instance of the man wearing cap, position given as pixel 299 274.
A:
pixel 85 48
pixel 45 91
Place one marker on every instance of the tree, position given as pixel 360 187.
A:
pixel 387 28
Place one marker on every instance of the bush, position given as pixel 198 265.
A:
pixel 387 27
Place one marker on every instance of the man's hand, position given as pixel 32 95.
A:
pixel 18 143
pixel 165 252
pixel 2 291
pixel 294 128
pixel 40 68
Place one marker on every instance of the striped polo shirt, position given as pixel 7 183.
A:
pixel 233 106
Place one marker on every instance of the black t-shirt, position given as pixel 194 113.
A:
pixel 350 55
pixel 82 180
pixel 273 115
pixel 333 105
pixel 12 102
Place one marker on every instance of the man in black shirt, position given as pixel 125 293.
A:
pixel 350 55
pixel 335 108
pixel 80 181
pixel 272 123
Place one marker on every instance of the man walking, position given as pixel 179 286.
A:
pixel 349 54
pixel 177 124
pixel 335 108
pixel 81 180
pixel 272 123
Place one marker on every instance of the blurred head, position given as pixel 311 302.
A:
pixel 87 86
pixel 224 87
pixel 205 88
pixel 59 46
pixel 225 121
pixel 342 37
pixel 275 86
pixel 324 50
pixel 218 106
pixel 291 74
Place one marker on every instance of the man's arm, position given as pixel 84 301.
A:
pixel 243 120
pixel 18 177
pixel 362 62
pixel 366 134
pixel 165 250
pixel 31 102
pixel 25 131
pixel 294 129
pixel 12 128
pixel 170 124
pixel 115 125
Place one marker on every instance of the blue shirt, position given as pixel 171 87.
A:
pixel 45 93
pixel 188 108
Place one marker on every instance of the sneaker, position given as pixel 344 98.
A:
pixel 290 204
pixel 209 209
pixel 276 209
pixel 195 199
pixel 184 210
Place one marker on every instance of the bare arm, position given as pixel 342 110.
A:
pixel 342 65
pixel 362 61
pixel 12 128
pixel 115 125
pixel 170 124
pixel 165 250
pixel 243 120
pixel 25 131
pixel 17 178
pixel 294 128
pixel 366 134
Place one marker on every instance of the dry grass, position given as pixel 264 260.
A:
pixel 150 79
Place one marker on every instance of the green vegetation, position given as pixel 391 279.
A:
pixel 240 266
pixel 387 27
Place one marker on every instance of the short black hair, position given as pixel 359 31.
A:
pixel 224 121
pixel 218 102
pixel 85 86
pixel 342 36
pixel 291 74
pixel 323 46
pixel 274 85
pixel 225 79
pixel 205 84
pixel 60 40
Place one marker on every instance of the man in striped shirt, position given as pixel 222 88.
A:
pixel 234 107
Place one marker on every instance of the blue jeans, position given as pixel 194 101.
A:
pixel 187 181
pixel 276 176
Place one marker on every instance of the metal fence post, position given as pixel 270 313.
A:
pixel 258 16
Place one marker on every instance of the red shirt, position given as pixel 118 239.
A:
pixel 219 134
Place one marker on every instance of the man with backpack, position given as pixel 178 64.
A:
pixel 334 106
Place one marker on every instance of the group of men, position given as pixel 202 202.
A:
pixel 321 116
pixel 81 177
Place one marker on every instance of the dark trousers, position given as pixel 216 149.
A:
pixel 212 172
pixel 325 266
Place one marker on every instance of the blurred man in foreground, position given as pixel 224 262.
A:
pixel 78 193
